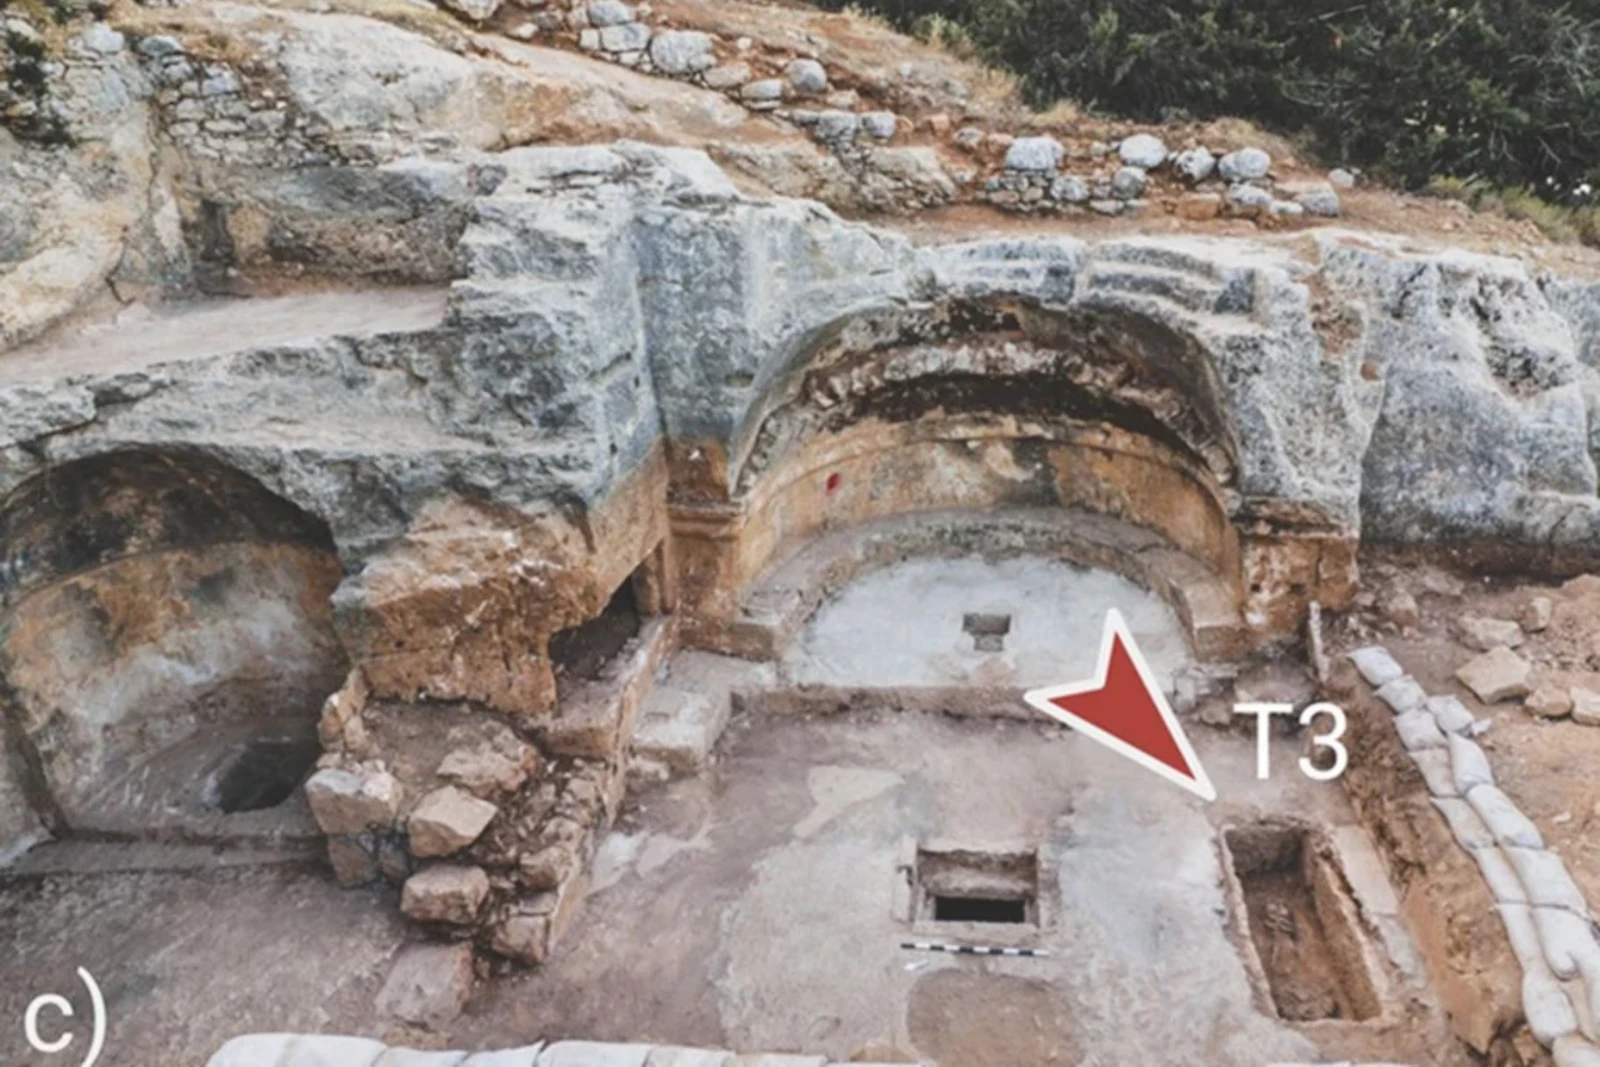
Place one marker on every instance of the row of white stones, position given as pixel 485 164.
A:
pixel 327 1050
pixel 1547 920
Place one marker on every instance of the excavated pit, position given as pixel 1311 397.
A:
pixel 1300 924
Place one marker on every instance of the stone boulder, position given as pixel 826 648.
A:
pixel 1245 165
pixel 447 893
pixel 1143 150
pixel 1037 154
pixel 350 801
pixel 1499 674
pixel 1484 634
pixel 429 985
pixel 447 821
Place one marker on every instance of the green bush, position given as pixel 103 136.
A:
pixel 1501 91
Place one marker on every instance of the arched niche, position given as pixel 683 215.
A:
pixel 166 641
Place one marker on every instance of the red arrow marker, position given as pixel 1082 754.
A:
pixel 1124 709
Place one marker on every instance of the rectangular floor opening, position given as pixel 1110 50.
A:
pixel 1302 924
pixel 964 884
pixel 979 910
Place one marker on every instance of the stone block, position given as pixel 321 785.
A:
pixel 350 801
pixel 1585 706
pixel 429 985
pixel 609 13
pixel 492 768
pixel 628 37
pixel 354 860
pixel 1484 635
pixel 680 728
pixel 1536 614
pixel 1143 150
pixel 1035 154
pixel 682 52
pixel 806 77
pixel 1245 165
pixel 446 821
pixel 1549 701
pixel 447 893
pixel 1499 674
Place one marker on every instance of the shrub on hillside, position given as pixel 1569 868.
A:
pixel 1503 91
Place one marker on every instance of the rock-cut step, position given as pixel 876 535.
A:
pixel 682 719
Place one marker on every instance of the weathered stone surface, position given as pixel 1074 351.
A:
pixel 1585 706
pixel 1549 701
pixel 1142 150
pixel 1041 154
pixel 354 860
pixel 473 10
pixel 1245 165
pixel 880 124
pixel 609 13
pixel 348 802
pixel 806 77
pixel 729 76
pixel 1195 164
pixel 625 37
pixel 1499 674
pixel 1401 609
pixel 1536 615
pixel 428 985
pixel 1128 183
pixel 492 768
pixel 446 893
pixel 1069 190
pixel 682 52
pixel 1486 634
pixel 446 821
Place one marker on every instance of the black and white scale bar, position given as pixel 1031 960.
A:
pixel 971 950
